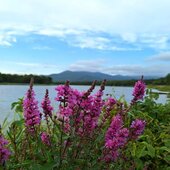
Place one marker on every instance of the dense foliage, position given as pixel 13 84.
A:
pixel 15 78
pixel 88 132
pixel 162 81
pixel 40 79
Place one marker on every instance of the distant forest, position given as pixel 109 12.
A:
pixel 25 79
pixel 159 81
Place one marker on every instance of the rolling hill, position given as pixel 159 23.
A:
pixel 82 76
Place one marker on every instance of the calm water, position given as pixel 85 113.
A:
pixel 11 93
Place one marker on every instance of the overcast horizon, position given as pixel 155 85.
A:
pixel 126 37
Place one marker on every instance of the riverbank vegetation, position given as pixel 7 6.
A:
pixel 163 88
pixel 23 79
pixel 40 79
pixel 87 132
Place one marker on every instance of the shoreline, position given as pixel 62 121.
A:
pixel 163 89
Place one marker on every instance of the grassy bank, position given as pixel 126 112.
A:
pixel 164 88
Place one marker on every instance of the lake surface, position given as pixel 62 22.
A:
pixel 11 93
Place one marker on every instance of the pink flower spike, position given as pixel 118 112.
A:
pixel 31 113
pixel 45 138
pixel 116 137
pixel 139 90
pixel 46 105
pixel 137 128
pixel 4 152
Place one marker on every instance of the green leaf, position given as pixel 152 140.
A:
pixel 164 148
pixel 151 150
pixel 167 143
pixel 141 151
pixel 133 150
pixel 139 164
pixel 167 158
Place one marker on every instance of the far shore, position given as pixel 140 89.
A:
pixel 164 89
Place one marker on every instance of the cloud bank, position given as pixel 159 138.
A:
pixel 116 25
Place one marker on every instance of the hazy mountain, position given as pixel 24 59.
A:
pixel 77 76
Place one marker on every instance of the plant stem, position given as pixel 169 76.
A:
pixel 61 141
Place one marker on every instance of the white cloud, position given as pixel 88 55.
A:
pixel 35 65
pixel 112 16
pixel 42 48
pixel 88 65
pixel 29 68
pixel 129 19
pixel 94 41
pixel 90 42
pixel 6 39
pixel 159 70
pixel 102 66
pixel 129 37
pixel 164 56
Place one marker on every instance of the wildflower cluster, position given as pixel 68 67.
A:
pixel 139 90
pixel 45 138
pixel 137 128
pixel 115 138
pixel 4 151
pixel 46 106
pixel 31 111
pixel 84 123
pixel 81 107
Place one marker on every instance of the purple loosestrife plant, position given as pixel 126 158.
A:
pixel 89 109
pixel 137 127
pixel 110 102
pixel 46 106
pixel 93 106
pixel 69 99
pixel 115 138
pixel 83 135
pixel 63 96
pixel 139 90
pixel 4 151
pixel 31 113
pixel 108 106
pixel 45 138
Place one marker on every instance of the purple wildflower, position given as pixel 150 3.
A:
pixel 63 92
pixel 69 101
pixel 45 138
pixel 139 90
pixel 111 156
pixel 137 128
pixel 81 107
pixel 116 136
pixel 110 102
pixel 65 97
pixel 46 105
pixel 31 112
pixel 4 152
pixel 91 107
pixel 109 106
pixel 92 111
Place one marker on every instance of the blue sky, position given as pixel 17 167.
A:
pixel 128 37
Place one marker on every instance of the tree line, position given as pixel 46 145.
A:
pixel 160 81
pixel 40 79
pixel 15 78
